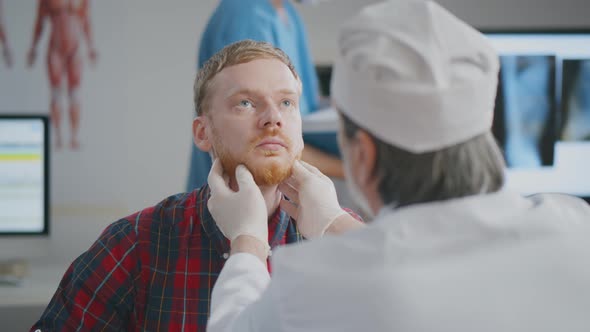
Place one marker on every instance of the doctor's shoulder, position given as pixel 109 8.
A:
pixel 359 248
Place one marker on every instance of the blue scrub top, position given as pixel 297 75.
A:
pixel 235 20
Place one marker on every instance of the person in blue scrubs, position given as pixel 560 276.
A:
pixel 276 22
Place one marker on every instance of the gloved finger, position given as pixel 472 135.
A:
pixel 290 181
pixel 290 192
pixel 211 204
pixel 244 178
pixel 314 170
pixel 311 168
pixel 290 208
pixel 217 183
pixel 299 174
pixel 293 178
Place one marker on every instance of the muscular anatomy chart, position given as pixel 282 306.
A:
pixel 69 24
pixel 6 53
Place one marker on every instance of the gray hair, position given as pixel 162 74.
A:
pixel 469 168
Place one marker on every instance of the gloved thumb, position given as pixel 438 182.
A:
pixel 244 178
pixel 216 179
pixel 303 172
pixel 299 173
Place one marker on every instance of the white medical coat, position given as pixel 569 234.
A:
pixel 498 262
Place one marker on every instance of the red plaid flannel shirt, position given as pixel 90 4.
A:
pixel 151 271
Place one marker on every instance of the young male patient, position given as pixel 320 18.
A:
pixel 154 270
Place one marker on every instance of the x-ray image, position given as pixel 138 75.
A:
pixel 525 115
pixel 576 100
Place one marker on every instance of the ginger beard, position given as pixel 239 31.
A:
pixel 269 169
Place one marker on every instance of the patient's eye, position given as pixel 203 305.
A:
pixel 245 103
pixel 288 104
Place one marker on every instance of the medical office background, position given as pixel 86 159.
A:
pixel 136 101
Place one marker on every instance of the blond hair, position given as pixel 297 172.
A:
pixel 234 54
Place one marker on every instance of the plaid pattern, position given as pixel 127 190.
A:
pixel 151 271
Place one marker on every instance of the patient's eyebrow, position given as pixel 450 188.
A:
pixel 234 92
pixel 288 92
pixel 247 91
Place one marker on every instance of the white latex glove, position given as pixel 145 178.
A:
pixel 241 212
pixel 313 202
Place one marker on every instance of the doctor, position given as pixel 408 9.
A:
pixel 450 249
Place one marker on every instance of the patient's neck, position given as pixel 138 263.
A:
pixel 272 197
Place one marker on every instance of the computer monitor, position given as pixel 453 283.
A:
pixel 24 186
pixel 542 115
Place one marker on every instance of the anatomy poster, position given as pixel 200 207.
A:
pixel 60 42
pixel 69 27
pixel 65 59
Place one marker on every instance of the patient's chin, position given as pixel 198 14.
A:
pixel 270 172
pixel 267 170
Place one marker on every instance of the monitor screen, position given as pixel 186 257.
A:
pixel 542 115
pixel 24 175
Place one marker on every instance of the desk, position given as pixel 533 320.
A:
pixel 21 305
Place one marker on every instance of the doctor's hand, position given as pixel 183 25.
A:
pixel 313 202
pixel 241 212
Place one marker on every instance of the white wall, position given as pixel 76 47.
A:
pixel 521 13
pixel 323 20
pixel 162 37
pixel 137 102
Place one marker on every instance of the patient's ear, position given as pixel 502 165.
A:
pixel 201 133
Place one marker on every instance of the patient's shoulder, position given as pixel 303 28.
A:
pixel 172 211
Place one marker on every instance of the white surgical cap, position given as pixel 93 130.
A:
pixel 415 76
